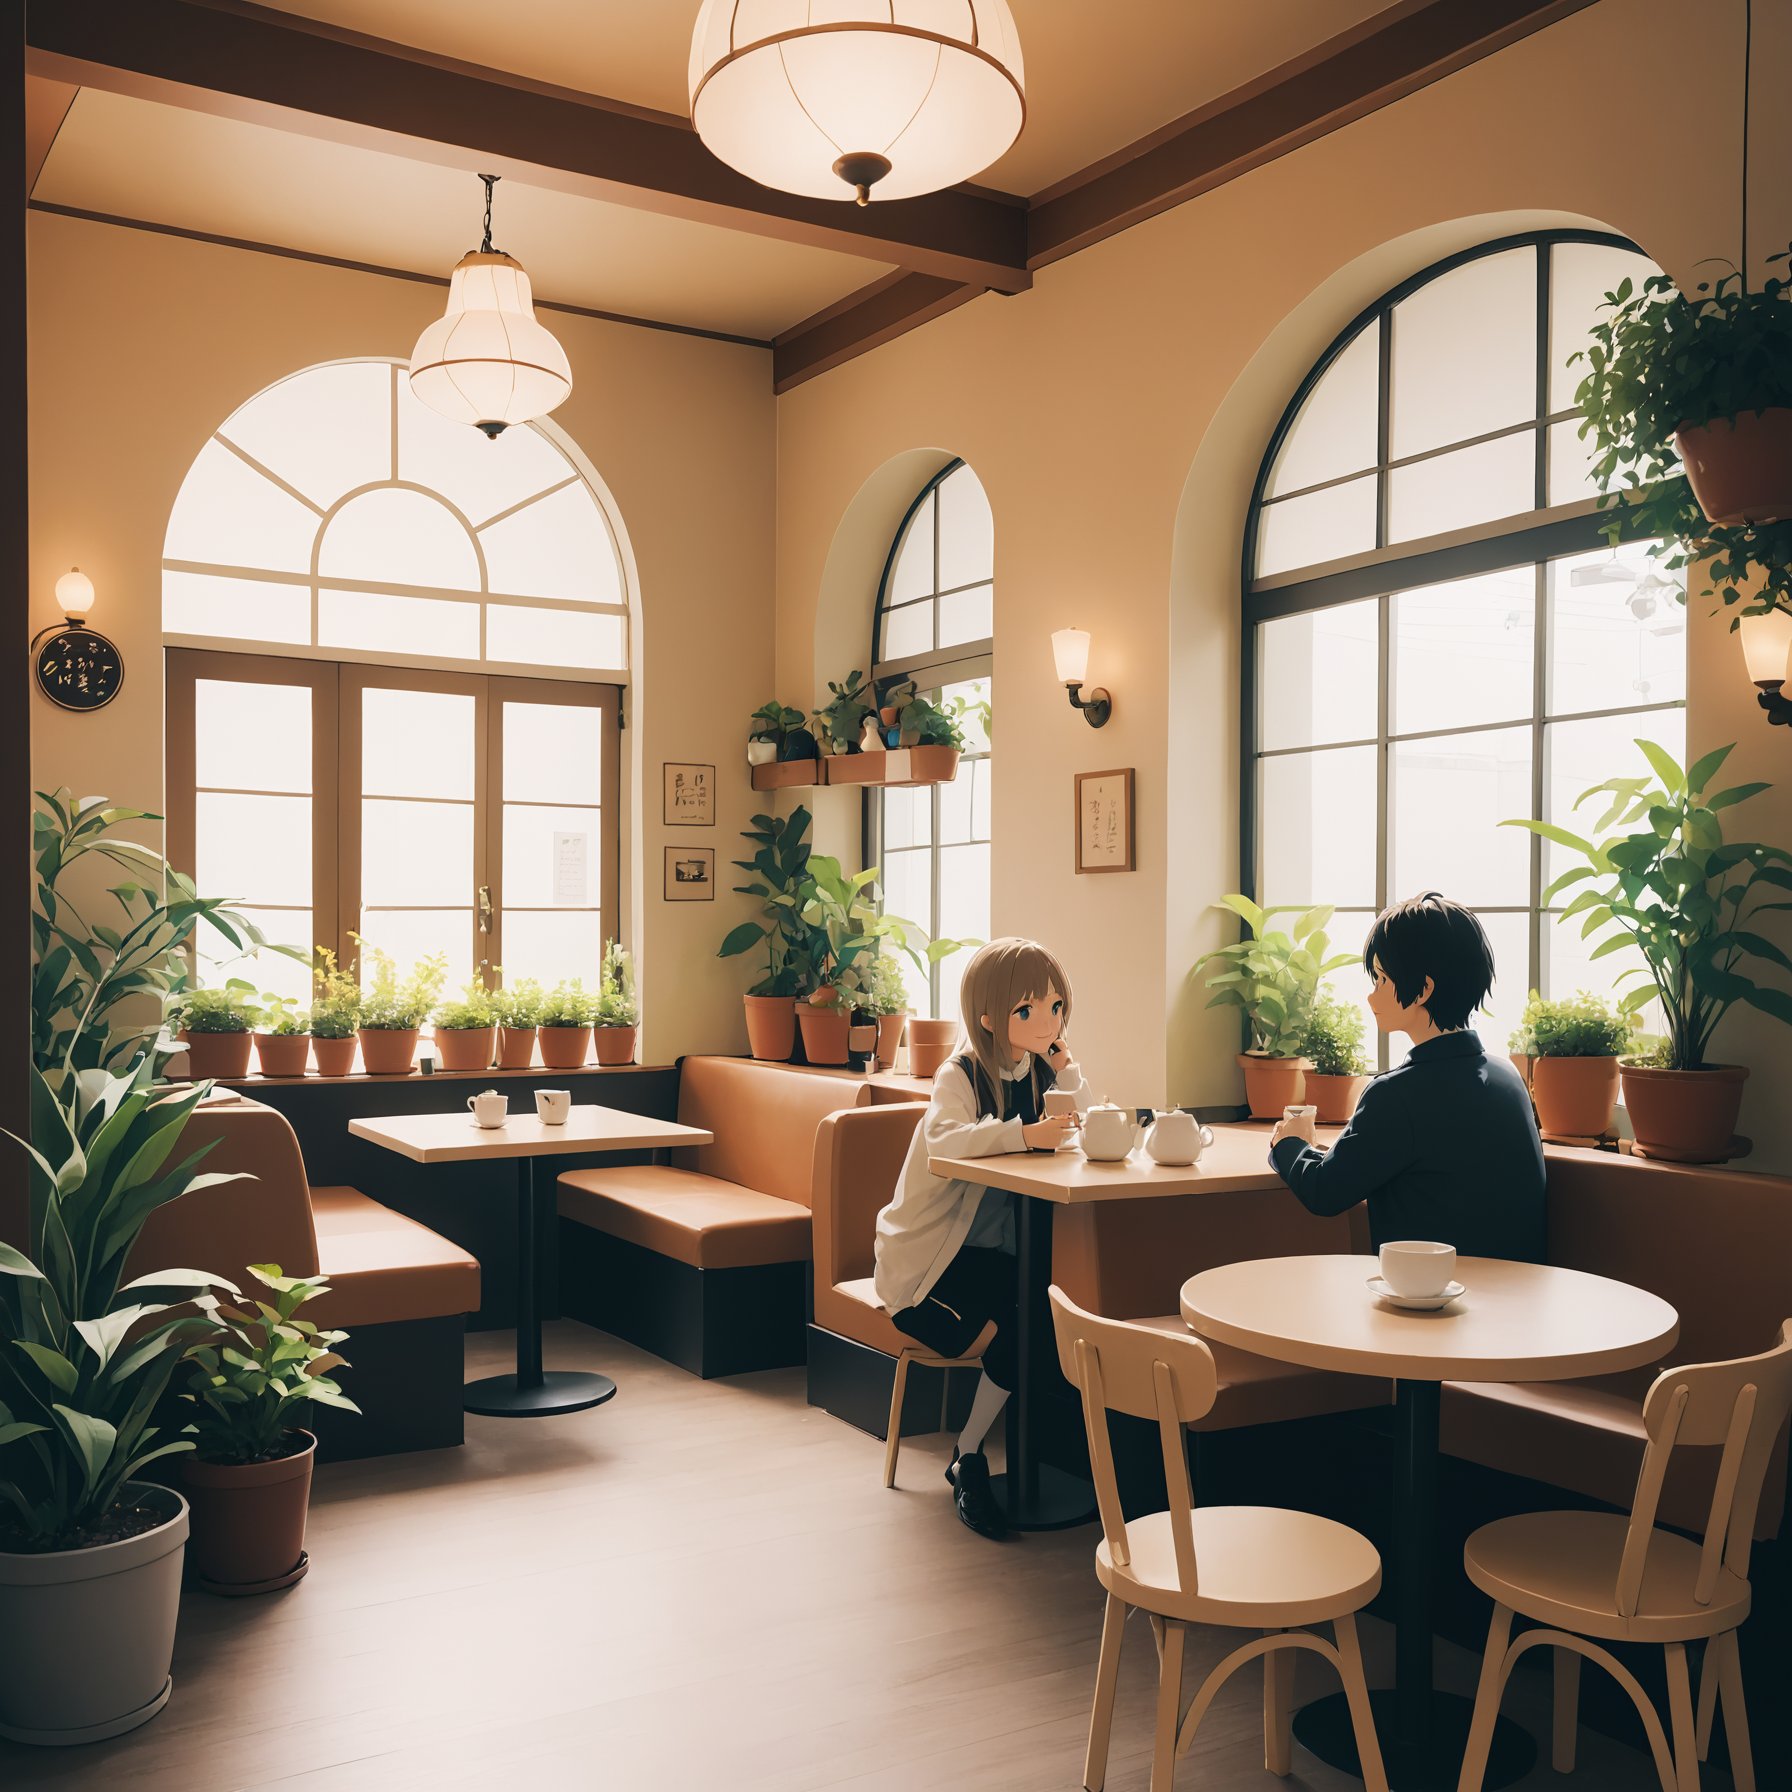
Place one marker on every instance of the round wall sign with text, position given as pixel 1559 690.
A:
pixel 79 669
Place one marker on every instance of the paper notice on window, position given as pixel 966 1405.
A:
pixel 572 868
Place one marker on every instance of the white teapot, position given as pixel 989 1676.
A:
pixel 1177 1137
pixel 1109 1133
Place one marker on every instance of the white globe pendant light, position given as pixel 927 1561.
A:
pixel 834 97
pixel 485 360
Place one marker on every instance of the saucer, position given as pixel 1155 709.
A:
pixel 1415 1303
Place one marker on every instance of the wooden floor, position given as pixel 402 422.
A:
pixel 700 1585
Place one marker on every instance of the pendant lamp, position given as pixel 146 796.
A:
pixel 485 360
pixel 834 97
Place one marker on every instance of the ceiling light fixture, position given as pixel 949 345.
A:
pixel 905 95
pixel 485 360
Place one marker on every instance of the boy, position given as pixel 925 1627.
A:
pixel 1444 1146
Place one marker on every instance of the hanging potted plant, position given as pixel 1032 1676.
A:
pixel 465 1028
pixel 217 1028
pixel 1273 978
pixel 616 1014
pixel 1333 1045
pixel 1567 1053
pixel 777 874
pixel 518 1010
pixel 248 1479
pixel 283 1040
pixel 1676 891
pixel 335 1015
pixel 393 1009
pixel 565 1032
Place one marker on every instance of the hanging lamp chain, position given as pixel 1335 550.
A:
pixel 491 180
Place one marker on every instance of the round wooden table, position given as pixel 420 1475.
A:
pixel 1516 1322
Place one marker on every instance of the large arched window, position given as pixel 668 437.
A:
pixel 1436 637
pixel 934 623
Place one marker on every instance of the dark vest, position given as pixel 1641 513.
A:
pixel 1025 1095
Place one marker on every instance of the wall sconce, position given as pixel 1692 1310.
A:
pixel 76 667
pixel 1766 646
pixel 1070 652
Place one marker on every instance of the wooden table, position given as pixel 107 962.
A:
pixel 453 1138
pixel 1516 1322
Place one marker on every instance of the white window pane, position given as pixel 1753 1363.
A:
pixel 531 637
pixel 272 972
pixel 912 575
pixel 411 934
pixel 537 874
pixel 196 603
pixel 1510 938
pixel 1322 526
pixel 552 752
pixel 1580 275
pixel 1447 799
pixel 227 514
pixel 908 887
pixel 967 533
pixel 967 616
pixel 1579 755
pixel 553 945
pixel 252 848
pixel 980 772
pixel 1334 433
pixel 251 736
pixel 972 690
pixel 1568 967
pixel 1465 354
pixel 324 431
pixel 392 537
pixel 1317 676
pixel 964 892
pixel 1349 928
pixel 559 546
pixel 416 743
pixel 479 477
pixel 416 853
pixel 422 627
pixel 1316 822
pixel 908 818
pixel 1472 485
pixel 1571 466
pixel 907 631
pixel 1617 632
pixel 955 806
pixel 1439 631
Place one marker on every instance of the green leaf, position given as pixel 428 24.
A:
pixel 1737 793
pixel 93 1438
pixel 1701 771
pixel 1561 836
pixel 55 1367
pixel 1665 767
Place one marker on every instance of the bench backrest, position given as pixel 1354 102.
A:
pixel 858 1157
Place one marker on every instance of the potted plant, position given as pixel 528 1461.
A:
pixel 394 1008
pixel 283 1040
pixel 776 732
pixel 1333 1045
pixel 843 715
pixel 217 1028
pixel 777 874
pixel 1567 1053
pixel 886 995
pixel 1273 978
pixel 518 1010
pixel 616 1013
pixel 930 1042
pixel 892 700
pixel 565 1033
pixel 465 1028
pixel 335 1015
pixel 248 1479
pixel 90 1556
pixel 1676 891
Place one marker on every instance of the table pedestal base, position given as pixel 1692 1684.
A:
pixel 556 1390
pixel 1058 1502
pixel 1324 1728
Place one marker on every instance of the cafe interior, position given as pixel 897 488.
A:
pixel 534 528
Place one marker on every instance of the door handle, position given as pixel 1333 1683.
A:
pixel 485 908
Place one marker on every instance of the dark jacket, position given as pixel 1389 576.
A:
pixel 1444 1146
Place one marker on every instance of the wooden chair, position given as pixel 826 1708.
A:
pixel 927 1359
pixel 1619 1578
pixel 1243 1567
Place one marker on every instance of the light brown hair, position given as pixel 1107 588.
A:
pixel 1002 975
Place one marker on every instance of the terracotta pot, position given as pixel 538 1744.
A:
pixel 283 1054
pixel 615 1045
pixel 1740 468
pixel 465 1048
pixel 1683 1116
pixel 1271 1084
pixel 1575 1096
pixel 334 1057
pixel 825 1033
pixel 1334 1096
pixel 564 1048
pixel 516 1048
pixel 388 1051
pixel 930 1044
pixel 771 1027
pixel 888 715
pixel 249 1519
pixel 87 1635
pixel 217 1054
pixel 889 1038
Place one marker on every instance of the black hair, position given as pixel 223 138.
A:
pixel 1431 936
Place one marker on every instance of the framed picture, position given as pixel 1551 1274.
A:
pixel 1104 821
pixel 690 795
pixel 690 874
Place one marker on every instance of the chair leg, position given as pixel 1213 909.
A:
pixel 1567 1710
pixel 1356 1692
pixel 1685 1730
pixel 1169 1709
pixel 1487 1702
pixel 1107 1675
pixel 1729 1667
pixel 893 1436
pixel 1278 1711
pixel 1707 1712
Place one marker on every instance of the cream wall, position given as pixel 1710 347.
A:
pixel 1116 414
pixel 142 344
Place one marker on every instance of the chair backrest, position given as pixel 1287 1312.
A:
pixel 1740 1406
pixel 858 1157
pixel 1121 1366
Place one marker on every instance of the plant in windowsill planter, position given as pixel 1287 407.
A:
pixel 394 1008
pixel 248 1479
pixel 465 1029
pixel 616 1014
pixel 283 1043
pixel 518 1010
pixel 335 1015
pixel 885 995
pixel 1333 1045
pixel 565 1033
pixel 843 715
pixel 1688 900
pixel 1567 1053
pixel 1273 977
pixel 217 1027
pixel 777 874
pixel 843 937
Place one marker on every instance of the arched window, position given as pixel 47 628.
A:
pixel 934 623
pixel 1436 638
pixel 422 746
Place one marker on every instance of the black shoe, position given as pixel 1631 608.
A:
pixel 972 1494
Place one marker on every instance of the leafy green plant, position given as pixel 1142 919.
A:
pixel 335 998
pixel 772 721
pixel 844 713
pixel 1584 1026
pixel 226 1010
pixel 567 1004
pixel 518 1004
pixel 1273 976
pixel 282 1016
pixel 390 1003
pixel 1676 891
pixel 255 1372
pixel 884 990
pixel 777 874
pixel 616 1004
pixel 845 932
pixel 1333 1041
pixel 943 724
pixel 472 1009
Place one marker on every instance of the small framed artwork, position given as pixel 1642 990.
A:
pixel 690 796
pixel 690 874
pixel 1104 821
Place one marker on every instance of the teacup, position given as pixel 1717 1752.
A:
pixel 488 1108
pixel 1059 1101
pixel 553 1105
pixel 1302 1118
pixel 1418 1268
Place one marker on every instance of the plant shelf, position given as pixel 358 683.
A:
pixel 790 774
pixel 902 769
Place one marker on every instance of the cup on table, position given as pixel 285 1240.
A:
pixel 1417 1267
pixel 553 1105
pixel 1302 1118
pixel 488 1108
pixel 1057 1102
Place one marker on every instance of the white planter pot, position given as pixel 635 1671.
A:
pixel 761 752
pixel 87 1635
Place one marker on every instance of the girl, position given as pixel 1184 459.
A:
pixel 945 1250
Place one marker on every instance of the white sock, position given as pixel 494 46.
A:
pixel 986 1404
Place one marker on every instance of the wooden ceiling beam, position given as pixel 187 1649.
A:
pixel 862 321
